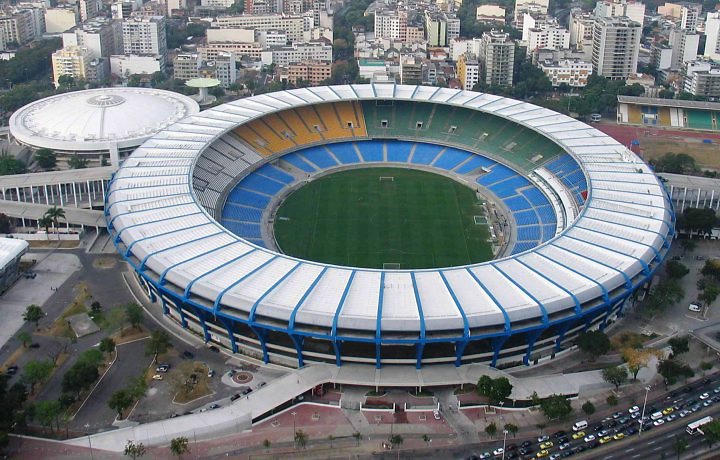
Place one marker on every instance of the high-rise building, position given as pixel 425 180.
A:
pixel 410 70
pixel 712 30
pixel 435 29
pixel 73 61
pixel 17 28
pixel 144 36
pixel 313 72
pixel 619 8
pixel 60 19
pixel 497 56
pixel 548 37
pixel 684 44
pixel 581 29
pixel 572 72
pixel 102 37
pixel 686 14
pixel 616 45
pixel 293 25
pixel 702 78
pixel 391 24
pixel 185 66
pixel 89 9
pixel 468 71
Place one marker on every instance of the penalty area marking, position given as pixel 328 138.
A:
pixel 480 220
pixel 391 266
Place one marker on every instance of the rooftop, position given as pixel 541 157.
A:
pixel 669 102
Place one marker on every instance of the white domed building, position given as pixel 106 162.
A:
pixel 101 125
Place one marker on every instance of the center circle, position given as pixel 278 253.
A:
pixel 383 218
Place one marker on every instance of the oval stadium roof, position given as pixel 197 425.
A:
pixel 91 120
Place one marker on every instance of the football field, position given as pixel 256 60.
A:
pixel 384 218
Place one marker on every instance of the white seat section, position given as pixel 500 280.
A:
pixel 480 309
pixel 320 305
pixel 551 297
pixel 440 311
pixel 212 284
pixel 280 303
pixel 246 293
pixel 400 308
pixel 359 312
pixel 518 305
pixel 562 276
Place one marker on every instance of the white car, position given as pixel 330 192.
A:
pixel 658 422
pixel 633 409
pixel 554 456
pixel 704 396
pixel 157 377
pixel 589 438
pixel 485 455
pixel 564 446
pixel 436 414
pixel 694 307
pixel 543 438
pixel 685 413
pixel 498 451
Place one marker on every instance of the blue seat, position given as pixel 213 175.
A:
pixel 298 162
pixel 398 152
pixel 319 156
pixel 278 174
pixel 508 187
pixel 529 233
pixel 345 152
pixel 371 150
pixel 425 153
pixel 262 184
pixel 241 213
pixel 526 218
pixel 474 163
pixel 451 158
pixel 536 197
pixel 244 230
pixel 547 214
pixel 548 232
pixel 497 173
pixel 249 198
pixel 257 241
pixel 517 203
pixel 522 247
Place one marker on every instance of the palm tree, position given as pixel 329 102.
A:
pixel 55 214
pixel 46 222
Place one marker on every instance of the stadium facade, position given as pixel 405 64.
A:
pixel 589 225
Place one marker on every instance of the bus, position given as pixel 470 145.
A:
pixel 695 427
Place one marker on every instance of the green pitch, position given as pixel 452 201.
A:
pixel 417 220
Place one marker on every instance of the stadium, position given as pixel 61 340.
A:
pixel 570 221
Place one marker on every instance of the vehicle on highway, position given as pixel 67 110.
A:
pixel 543 438
pixel 542 453
pixel 214 406
pixel 605 439
pixel 659 422
pixel 563 446
pixel 617 415
pixel 188 355
pixel 499 451
pixel 667 410
pixel 554 456
pixel 525 451
pixel 485 455
pixel 704 396
pixel 162 368
pixel 579 426
pixel 696 426
pixel 589 438
pixel 211 373
pixel 546 445
pixel 559 434
pixel 634 409
pixel 619 436
pixel 234 397
pixel 12 370
pixel 685 412
pixel 578 435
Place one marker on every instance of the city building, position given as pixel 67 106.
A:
pixel 11 251
pixel 616 45
pixel 685 46
pixel 702 78
pixel 251 50
pixel 89 9
pixel 410 70
pixel 468 71
pixel 572 72
pixel 313 72
pixel 687 14
pixel 186 66
pixel 297 52
pixel 551 38
pixel 391 24
pixel 436 28
pixel 581 29
pixel 712 31
pixel 72 61
pixel 490 13
pixel 218 3
pixel 60 19
pixel 497 56
pixel 620 8
pixel 222 68
pixel 126 65
pixel 16 28
pixel 144 36
pixel 293 25
pixel 102 37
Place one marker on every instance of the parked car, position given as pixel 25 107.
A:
pixel 214 406
pixel 34 345
pixel 187 355
pixel 235 397
pixel 12 370
pixel 157 377
pixel 214 349
pixel 162 368
pixel 211 373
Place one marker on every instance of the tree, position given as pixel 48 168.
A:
pixel 107 345
pixel 680 445
pixel 636 359
pixel 133 315
pixel 678 163
pixel 510 428
pixel 491 429
pixel 48 412
pixel 396 440
pixel 119 401
pixel 594 343
pixel 158 344
pixel 55 214
pixel 77 162
pixel 676 269
pixel 588 408
pixel 5 223
pixel 616 375
pixel 425 439
pixel 712 432
pixel 10 165
pixel 496 390
pixel 301 438
pixel 179 446
pixel 555 407
pixel 45 158
pixel 357 437
pixel 95 307
pixel 36 372
pixel 688 245
pixel 331 438
pixel 66 81
pixel 611 400
pixel 671 370
pixel 79 377
pixel 45 222
pixel 134 450
pixel 679 345
pixel 697 219
pixel 33 314
pixel 267 444
pixel 25 338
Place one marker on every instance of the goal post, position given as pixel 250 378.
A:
pixel 391 266
pixel 387 179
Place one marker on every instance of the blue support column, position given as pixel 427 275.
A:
pixel 183 320
pixel 201 316
pixel 561 335
pixel 459 350
pixel 262 337
pixel 165 308
pixel 588 320
pixel 228 323
pixel 298 341
pixel 378 355
pixel 419 347
pixel 532 337
pixel 153 297
pixel 338 357
pixel 497 344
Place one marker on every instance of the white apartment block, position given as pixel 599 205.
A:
pixel 101 37
pixel 702 78
pixel 712 31
pixel 293 25
pixel 490 13
pixel 468 71
pixel 533 8
pixel 144 36
pixel 614 9
pixel 688 14
pixel 298 52
pixel 581 29
pixel 685 46
pixel 89 9
pixel 270 38
pixel 130 64
pixel 616 45
pixel 217 3
pixel 572 72
pixel 209 52
pixel 17 28
pixel 231 35
pixel 222 67
pixel 391 24
pixel 497 56
pixel 551 38
pixel 58 20
pixel 38 12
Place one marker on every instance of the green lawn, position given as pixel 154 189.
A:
pixel 419 220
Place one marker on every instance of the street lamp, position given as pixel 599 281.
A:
pixel 294 432
pixel 87 432
pixel 642 415
pixel 505 433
